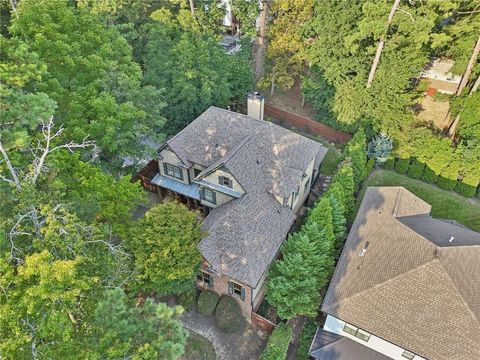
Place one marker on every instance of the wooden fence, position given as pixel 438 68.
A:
pixel 146 174
pixel 262 323
pixel 305 124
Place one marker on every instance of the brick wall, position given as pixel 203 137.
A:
pixel 220 286
pixel 262 323
pixel 306 125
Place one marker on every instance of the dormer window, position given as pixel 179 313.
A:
pixel 225 181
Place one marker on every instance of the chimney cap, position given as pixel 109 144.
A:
pixel 255 95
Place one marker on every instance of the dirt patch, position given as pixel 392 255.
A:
pixel 435 112
pixel 290 100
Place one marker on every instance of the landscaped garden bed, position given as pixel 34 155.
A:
pixel 198 348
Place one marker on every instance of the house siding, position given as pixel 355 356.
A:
pixel 335 325
pixel 220 286
pixel 167 156
pixel 213 178
pixel 220 199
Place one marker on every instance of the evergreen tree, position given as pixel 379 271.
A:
pixel 338 220
pixel 355 150
pixel 164 245
pixel 292 281
pixel 148 331
pixel 344 178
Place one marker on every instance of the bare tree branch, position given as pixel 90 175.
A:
pixel 10 167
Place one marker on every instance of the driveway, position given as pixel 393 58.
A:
pixel 245 344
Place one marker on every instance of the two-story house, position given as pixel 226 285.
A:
pixel 407 286
pixel 250 177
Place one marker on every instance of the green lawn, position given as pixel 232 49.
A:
pixel 198 348
pixel 445 204
pixel 330 162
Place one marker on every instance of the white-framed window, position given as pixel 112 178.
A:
pixel 236 290
pixel 173 171
pixel 408 355
pixel 209 195
pixel 205 277
pixel 359 333
pixel 225 181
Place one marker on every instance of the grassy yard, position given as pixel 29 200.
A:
pixel 198 348
pixel 330 162
pixel 445 204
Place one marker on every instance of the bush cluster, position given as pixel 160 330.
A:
pixel 435 160
pixel 306 337
pixel 228 315
pixel 187 300
pixel 207 302
pixel 278 342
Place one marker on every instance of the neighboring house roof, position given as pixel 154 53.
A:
pixel 245 234
pixel 330 346
pixel 412 286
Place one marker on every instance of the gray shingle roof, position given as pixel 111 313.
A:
pixel 259 154
pixel 410 287
pixel 330 346
pixel 245 234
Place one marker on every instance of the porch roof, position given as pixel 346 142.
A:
pixel 192 190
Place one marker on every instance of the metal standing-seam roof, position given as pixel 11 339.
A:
pixel 399 279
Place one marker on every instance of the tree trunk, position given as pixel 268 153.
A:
pixel 475 86
pixel 192 8
pixel 272 89
pixel 381 43
pixel 263 24
pixel 260 48
pixel 468 71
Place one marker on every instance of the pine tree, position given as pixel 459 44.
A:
pixel 355 150
pixel 344 178
pixel 339 220
pixel 292 285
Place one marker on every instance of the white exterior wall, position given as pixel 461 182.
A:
pixel 220 198
pixel 302 193
pixel 170 158
pixel 213 178
pixel 335 325
pixel 192 170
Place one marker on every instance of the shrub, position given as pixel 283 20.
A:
pixel 446 183
pixel 429 176
pixel 187 300
pixel 401 166
pixel 306 337
pixel 228 314
pixel 379 148
pixel 207 302
pixel 370 165
pixel 415 170
pixel 356 151
pixel 388 165
pixel 278 342
pixel 466 189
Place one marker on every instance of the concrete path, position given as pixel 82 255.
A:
pixel 245 344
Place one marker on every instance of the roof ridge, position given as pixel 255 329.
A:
pixel 465 303
pixel 377 285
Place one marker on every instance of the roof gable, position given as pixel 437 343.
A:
pixel 415 292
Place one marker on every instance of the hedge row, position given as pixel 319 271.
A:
pixel 450 177
pixel 278 342
pixel 433 159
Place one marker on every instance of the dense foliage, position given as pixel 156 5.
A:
pixel 164 245
pixel 348 85
pixel 278 342
pixel 228 315
pixel 207 302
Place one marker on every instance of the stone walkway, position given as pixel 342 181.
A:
pixel 242 345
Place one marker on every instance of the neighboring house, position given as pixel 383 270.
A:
pixel 250 177
pixel 439 76
pixel 406 285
